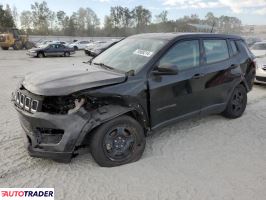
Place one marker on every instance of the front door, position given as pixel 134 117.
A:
pixel 174 97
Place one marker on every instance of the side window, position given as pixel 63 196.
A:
pixel 243 47
pixel 234 48
pixel 184 55
pixel 215 50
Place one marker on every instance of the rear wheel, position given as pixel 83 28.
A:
pixel 117 142
pixel 237 103
pixel 66 54
pixel 5 48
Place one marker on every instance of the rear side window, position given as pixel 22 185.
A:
pixel 234 48
pixel 184 54
pixel 243 46
pixel 215 50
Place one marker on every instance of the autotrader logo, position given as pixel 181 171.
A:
pixel 27 193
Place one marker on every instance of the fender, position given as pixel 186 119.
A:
pixel 102 115
pixel 242 81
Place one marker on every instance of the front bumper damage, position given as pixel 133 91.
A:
pixel 57 137
pixel 53 136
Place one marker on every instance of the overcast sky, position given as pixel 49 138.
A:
pixel 249 11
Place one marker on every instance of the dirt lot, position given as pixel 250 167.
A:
pixel 201 159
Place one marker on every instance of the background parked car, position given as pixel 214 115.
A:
pixel 252 40
pixel 79 45
pixel 261 70
pixel 55 49
pixel 96 50
pixel 92 45
pixel 45 42
pixel 259 49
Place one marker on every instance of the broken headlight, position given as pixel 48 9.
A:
pixel 62 105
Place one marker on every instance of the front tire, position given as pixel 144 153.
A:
pixel 237 103
pixel 117 142
pixel 40 55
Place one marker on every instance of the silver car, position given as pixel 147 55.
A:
pixel 261 70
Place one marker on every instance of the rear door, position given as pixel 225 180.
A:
pixel 60 49
pixel 218 74
pixel 173 97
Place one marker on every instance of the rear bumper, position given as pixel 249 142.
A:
pixel 44 144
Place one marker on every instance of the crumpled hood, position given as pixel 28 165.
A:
pixel 64 82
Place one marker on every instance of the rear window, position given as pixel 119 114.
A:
pixel 215 50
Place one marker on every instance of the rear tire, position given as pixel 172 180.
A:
pixel 66 54
pixel 5 48
pixel 117 142
pixel 237 103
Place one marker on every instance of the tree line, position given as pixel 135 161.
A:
pixel 121 21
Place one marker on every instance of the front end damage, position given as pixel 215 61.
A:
pixel 56 126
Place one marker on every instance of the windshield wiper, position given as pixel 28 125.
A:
pixel 104 66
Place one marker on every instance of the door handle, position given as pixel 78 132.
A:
pixel 196 76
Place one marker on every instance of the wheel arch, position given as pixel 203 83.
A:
pixel 107 113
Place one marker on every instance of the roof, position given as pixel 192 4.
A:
pixel 174 35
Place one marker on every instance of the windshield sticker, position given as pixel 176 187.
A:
pixel 143 53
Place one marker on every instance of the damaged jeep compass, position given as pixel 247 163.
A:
pixel 137 86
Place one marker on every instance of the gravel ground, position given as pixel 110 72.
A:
pixel 204 158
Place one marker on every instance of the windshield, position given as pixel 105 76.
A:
pixel 130 53
pixel 44 45
pixel 261 46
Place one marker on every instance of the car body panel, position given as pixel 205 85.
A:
pixel 64 82
pixel 154 100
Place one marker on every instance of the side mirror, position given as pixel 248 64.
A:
pixel 166 69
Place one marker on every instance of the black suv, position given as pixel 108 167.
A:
pixel 139 85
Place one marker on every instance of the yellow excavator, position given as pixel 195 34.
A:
pixel 12 37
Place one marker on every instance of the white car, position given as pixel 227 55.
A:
pixel 79 44
pixel 259 49
pixel 261 70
